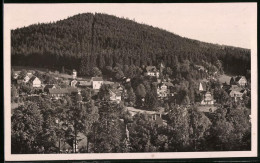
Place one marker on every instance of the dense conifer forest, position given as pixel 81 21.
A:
pixel 88 40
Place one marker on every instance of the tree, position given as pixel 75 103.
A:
pixel 118 73
pixel 63 70
pixel 178 128
pixel 101 61
pixel 131 96
pixel 220 137
pixel 140 94
pixel 199 125
pixel 52 113
pixel 151 100
pixel 92 117
pixel 186 100
pixel 23 74
pixel 107 134
pixel 221 96
pixel 86 94
pixel 14 93
pixel 96 72
pixel 241 121
pixel 76 117
pixel 25 89
pixel 168 71
pixel 141 133
pixel 26 126
pixel 104 92
pixel 140 91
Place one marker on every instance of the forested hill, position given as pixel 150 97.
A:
pixel 103 40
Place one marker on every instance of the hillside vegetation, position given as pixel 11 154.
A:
pixel 98 40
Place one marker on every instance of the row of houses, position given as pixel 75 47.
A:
pixel 94 82
pixel 239 81
pixel 235 91
pixel 29 78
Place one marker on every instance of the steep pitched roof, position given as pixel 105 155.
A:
pixel 199 67
pixel 202 86
pixel 239 77
pixel 151 69
pixel 33 78
pixel 97 79
pixel 49 86
pixel 72 90
pixel 169 84
pixel 235 88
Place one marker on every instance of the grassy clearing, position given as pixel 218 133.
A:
pixel 224 78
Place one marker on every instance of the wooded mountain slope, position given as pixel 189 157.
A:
pixel 104 40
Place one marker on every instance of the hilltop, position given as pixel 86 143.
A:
pixel 98 40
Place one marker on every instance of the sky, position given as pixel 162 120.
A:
pixel 222 23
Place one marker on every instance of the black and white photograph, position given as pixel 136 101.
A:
pixel 125 81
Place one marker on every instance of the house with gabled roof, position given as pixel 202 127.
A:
pixel 58 93
pixel 151 71
pixel 164 89
pixel 207 99
pixel 84 83
pixel 115 95
pixel 26 79
pixel 238 80
pixel 48 86
pixel 236 92
pixel 36 82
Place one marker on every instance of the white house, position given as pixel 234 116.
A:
pixel 36 82
pixel 96 82
pixel 26 79
pixel 239 80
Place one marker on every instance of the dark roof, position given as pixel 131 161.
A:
pixel 243 91
pixel 97 79
pixel 84 83
pixel 116 91
pixel 33 78
pixel 169 84
pixel 158 120
pixel 151 69
pixel 200 67
pixel 235 88
pixel 238 78
pixel 49 86
pixel 72 90
pixel 58 91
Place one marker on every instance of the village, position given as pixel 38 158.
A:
pixel 30 84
